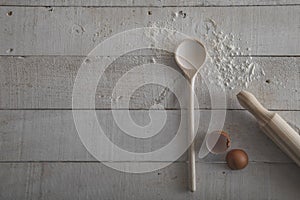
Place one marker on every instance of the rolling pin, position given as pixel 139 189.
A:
pixel 276 128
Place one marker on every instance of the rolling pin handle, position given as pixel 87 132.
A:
pixel 249 101
pixel 275 127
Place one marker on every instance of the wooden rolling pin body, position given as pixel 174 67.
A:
pixel 276 128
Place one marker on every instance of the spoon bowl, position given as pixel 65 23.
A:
pixel 190 56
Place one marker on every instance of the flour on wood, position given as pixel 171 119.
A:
pixel 223 67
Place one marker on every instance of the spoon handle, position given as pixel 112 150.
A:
pixel 191 135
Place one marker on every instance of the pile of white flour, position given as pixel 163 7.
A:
pixel 227 66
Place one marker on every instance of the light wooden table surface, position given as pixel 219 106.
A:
pixel 43 43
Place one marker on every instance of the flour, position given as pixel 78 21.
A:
pixel 153 60
pixel 159 33
pixel 226 66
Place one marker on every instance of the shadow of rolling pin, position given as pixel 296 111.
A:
pixel 276 128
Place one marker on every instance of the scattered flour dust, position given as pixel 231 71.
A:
pixel 227 66
pixel 161 32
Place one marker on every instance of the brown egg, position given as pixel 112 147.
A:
pixel 237 159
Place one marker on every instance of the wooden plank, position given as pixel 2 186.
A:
pixel 48 135
pixel 94 180
pixel 47 83
pixel 148 3
pixel 77 30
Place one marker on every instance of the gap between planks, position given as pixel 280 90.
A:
pixel 96 161
pixel 81 56
pixel 142 109
pixel 150 6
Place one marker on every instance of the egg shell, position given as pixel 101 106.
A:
pixel 218 142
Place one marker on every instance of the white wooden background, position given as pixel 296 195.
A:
pixel 41 156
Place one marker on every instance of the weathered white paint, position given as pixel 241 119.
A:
pixel 266 30
pixel 51 135
pixel 147 3
pixel 96 181
pixel 47 82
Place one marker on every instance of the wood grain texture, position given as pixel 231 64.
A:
pixel 77 30
pixel 47 83
pixel 51 135
pixel 103 3
pixel 42 45
pixel 94 180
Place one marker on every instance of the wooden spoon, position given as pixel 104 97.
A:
pixel 190 56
